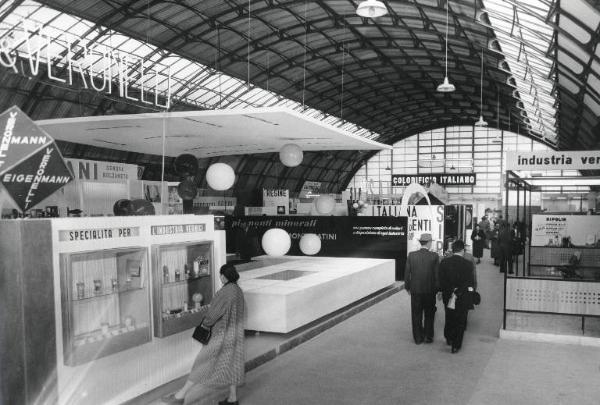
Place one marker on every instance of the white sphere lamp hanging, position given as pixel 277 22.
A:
pixel 291 155
pixel 220 176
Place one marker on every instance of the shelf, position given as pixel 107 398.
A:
pixel 108 293
pixel 186 280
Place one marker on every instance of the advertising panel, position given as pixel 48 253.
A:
pixel 561 230
pixel 279 198
pixel 31 165
pixel 443 179
pixel 421 219
pixel 370 237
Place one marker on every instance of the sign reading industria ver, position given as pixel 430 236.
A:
pixel 553 160
pixel 31 166
pixel 98 67
pixel 443 179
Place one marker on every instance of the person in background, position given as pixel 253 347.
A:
pixel 456 278
pixel 478 238
pixel 518 242
pixel 505 243
pixel 495 248
pixel 421 282
pixel 485 226
pixel 221 362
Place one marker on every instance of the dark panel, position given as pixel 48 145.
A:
pixel 28 341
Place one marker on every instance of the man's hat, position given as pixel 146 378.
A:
pixel 425 237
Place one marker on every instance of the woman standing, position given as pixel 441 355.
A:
pixel 221 362
pixel 478 238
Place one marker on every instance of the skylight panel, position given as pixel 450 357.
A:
pixel 524 38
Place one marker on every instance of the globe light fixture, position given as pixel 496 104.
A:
pixel 371 9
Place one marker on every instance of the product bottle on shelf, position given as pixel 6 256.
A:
pixel 177 275
pixel 165 274
pixel 196 266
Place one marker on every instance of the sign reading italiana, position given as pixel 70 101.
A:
pixel 97 67
pixel 553 160
pixel 443 179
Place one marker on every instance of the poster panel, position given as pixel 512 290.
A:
pixel 108 172
pixel 370 237
pixel 421 219
pixel 556 230
pixel 279 198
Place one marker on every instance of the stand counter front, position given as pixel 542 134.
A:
pixel 119 297
pixel 297 290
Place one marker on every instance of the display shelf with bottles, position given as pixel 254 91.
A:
pixel 183 285
pixel 105 303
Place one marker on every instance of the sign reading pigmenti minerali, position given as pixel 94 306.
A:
pixel 553 160
pixel 443 179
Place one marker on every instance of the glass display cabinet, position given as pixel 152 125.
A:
pixel 105 302
pixel 182 287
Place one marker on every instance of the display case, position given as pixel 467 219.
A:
pixel 580 263
pixel 105 302
pixel 182 287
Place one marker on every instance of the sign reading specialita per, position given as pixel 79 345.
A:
pixel 31 165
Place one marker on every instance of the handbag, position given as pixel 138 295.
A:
pixel 475 298
pixel 202 334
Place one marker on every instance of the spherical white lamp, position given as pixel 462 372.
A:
pixel 290 155
pixel 220 176
pixel 276 242
pixel 325 204
pixel 310 244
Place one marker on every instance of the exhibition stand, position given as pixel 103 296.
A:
pixel 556 294
pixel 101 310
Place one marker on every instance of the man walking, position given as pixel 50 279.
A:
pixel 456 279
pixel 421 282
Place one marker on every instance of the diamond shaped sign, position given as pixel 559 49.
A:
pixel 31 165
pixel 20 137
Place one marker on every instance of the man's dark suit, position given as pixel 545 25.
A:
pixel 421 281
pixel 456 275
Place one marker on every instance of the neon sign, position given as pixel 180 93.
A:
pixel 95 67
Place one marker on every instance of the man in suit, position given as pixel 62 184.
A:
pixel 421 282
pixel 456 277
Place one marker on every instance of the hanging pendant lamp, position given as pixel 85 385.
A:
pixel 371 9
pixel 446 87
pixel 481 122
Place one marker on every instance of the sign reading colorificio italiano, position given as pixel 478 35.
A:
pixel 443 179
pixel 553 160
pixel 97 67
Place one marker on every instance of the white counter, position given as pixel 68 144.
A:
pixel 284 296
